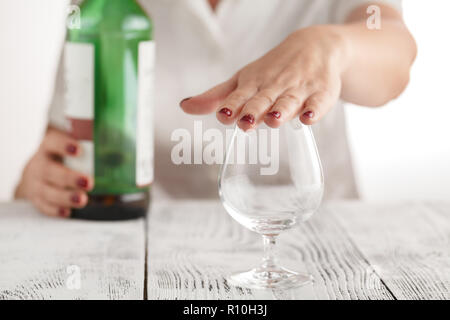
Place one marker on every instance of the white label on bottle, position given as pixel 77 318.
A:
pixel 79 77
pixel 79 102
pixel 144 121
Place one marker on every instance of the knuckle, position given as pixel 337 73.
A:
pixel 263 98
pixel 269 94
pixel 237 97
pixel 310 84
pixel 289 99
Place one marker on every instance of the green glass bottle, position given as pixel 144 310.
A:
pixel 109 63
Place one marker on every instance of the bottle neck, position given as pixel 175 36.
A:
pixel 111 16
pixel 110 5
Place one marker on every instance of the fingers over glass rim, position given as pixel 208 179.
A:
pixel 232 105
pixel 287 107
pixel 254 110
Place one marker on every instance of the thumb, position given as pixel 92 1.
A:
pixel 209 101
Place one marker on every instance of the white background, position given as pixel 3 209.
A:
pixel 401 151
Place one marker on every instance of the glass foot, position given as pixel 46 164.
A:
pixel 279 278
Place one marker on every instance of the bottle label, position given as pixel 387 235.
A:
pixel 144 121
pixel 79 102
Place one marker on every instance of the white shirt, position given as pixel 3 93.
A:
pixel 198 48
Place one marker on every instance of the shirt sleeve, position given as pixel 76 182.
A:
pixel 343 8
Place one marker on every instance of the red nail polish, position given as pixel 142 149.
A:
pixel 226 112
pixel 248 118
pixel 71 149
pixel 275 114
pixel 185 99
pixel 82 182
pixel 309 114
pixel 75 199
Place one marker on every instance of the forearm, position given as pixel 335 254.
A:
pixel 377 62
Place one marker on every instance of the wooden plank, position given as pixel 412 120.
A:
pixel 193 246
pixel 408 245
pixel 36 252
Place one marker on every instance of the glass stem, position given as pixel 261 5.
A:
pixel 269 260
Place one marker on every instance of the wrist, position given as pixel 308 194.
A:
pixel 341 49
pixel 331 41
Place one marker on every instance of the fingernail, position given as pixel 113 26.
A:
pixel 248 118
pixel 82 182
pixel 275 114
pixel 309 114
pixel 75 199
pixel 72 149
pixel 185 99
pixel 226 112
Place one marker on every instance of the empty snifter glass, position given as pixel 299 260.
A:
pixel 270 180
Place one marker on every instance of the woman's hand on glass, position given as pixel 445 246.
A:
pixel 300 77
pixel 53 188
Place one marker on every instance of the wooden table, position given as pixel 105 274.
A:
pixel 185 250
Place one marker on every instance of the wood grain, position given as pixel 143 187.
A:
pixel 353 250
pixel 35 252
pixel 408 245
pixel 192 247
